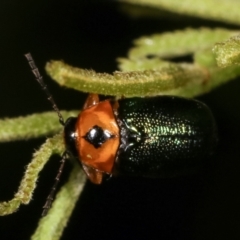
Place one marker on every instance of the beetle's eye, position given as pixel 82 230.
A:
pixel 97 136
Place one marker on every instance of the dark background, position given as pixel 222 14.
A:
pixel 91 34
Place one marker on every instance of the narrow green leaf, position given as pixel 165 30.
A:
pixel 177 43
pixel 51 226
pixel 224 10
pixel 128 84
pixel 52 146
pixel 31 126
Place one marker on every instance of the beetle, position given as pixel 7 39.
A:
pixel 152 137
pixel 162 136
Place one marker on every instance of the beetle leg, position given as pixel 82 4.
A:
pixel 91 100
pixel 93 175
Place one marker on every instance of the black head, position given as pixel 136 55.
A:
pixel 70 135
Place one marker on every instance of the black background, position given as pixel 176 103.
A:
pixel 91 34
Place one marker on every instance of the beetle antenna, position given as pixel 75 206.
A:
pixel 39 78
pixel 50 197
pixel 44 87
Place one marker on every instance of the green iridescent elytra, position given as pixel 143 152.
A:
pixel 163 136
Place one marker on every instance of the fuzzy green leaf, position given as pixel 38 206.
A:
pixel 177 43
pixel 52 146
pixel 224 10
pixel 32 126
pixel 129 84
pixel 52 225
